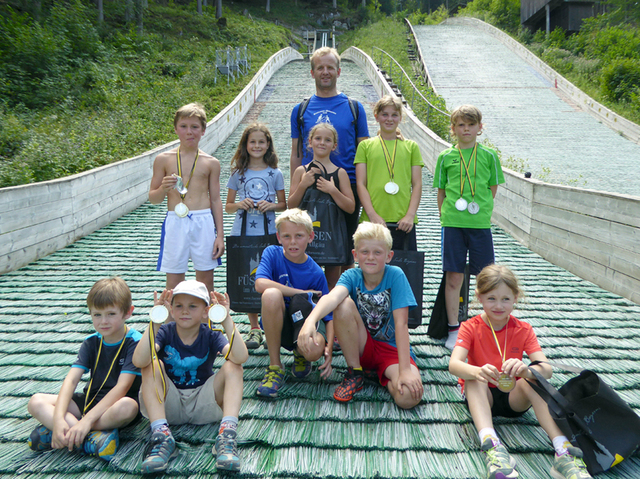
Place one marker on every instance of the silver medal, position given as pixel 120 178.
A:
pixel 159 314
pixel 461 204
pixel 180 188
pixel 181 210
pixel 391 188
pixel 473 208
pixel 217 313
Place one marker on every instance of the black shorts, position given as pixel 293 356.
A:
pixel 403 241
pixel 501 406
pixel 292 323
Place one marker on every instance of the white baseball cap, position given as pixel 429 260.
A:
pixel 193 288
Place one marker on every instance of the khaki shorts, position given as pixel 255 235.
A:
pixel 189 406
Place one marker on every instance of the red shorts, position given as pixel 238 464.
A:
pixel 378 356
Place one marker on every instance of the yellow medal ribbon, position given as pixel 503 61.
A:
pixel 86 398
pixel 154 361
pixel 389 160
pixel 186 185
pixel 503 354
pixel 474 157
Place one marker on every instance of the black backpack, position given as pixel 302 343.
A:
pixel 355 111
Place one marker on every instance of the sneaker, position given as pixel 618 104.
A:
pixel 40 439
pixel 254 338
pixel 351 384
pixel 162 447
pixel 570 465
pixel 271 382
pixel 500 463
pixel 451 340
pixel 102 444
pixel 226 451
pixel 301 367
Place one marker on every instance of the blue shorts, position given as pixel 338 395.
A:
pixel 456 242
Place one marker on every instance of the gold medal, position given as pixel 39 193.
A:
pixel 506 383
pixel 181 210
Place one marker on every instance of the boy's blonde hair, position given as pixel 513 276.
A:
pixel 491 276
pixel 372 231
pixel 386 101
pixel 469 113
pixel 110 292
pixel 320 52
pixel 189 111
pixel 297 217
pixel 325 126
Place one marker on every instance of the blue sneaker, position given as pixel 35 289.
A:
pixel 273 379
pixel 40 439
pixel 301 367
pixel 162 447
pixel 102 444
pixel 226 450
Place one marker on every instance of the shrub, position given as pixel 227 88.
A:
pixel 620 81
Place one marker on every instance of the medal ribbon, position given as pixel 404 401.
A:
pixel 474 156
pixel 389 160
pixel 88 403
pixel 502 353
pixel 154 358
pixel 190 174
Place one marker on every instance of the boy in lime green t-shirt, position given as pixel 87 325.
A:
pixel 467 176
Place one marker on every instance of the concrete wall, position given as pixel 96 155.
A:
pixel 626 128
pixel 40 218
pixel 592 234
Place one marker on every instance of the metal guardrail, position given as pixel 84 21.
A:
pixel 394 67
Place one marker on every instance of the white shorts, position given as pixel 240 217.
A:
pixel 188 237
pixel 188 406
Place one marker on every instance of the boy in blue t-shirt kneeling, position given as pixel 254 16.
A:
pixel 285 272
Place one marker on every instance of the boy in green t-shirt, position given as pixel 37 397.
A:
pixel 467 176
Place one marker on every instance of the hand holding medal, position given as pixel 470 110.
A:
pixel 506 382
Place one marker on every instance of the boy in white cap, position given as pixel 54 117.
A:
pixel 178 384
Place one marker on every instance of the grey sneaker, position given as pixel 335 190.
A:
pixel 570 465
pixel 500 464
pixel 162 447
pixel 254 338
pixel 226 450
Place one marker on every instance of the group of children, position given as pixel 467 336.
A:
pixel 366 309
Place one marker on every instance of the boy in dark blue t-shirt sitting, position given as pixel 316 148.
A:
pixel 285 271
pixel 178 384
